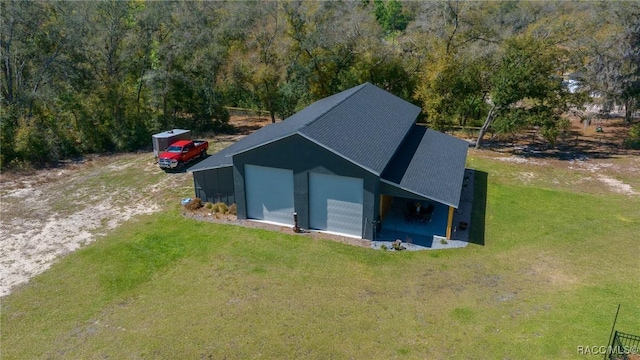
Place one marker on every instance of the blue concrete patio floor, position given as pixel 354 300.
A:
pixel 427 235
pixel 394 225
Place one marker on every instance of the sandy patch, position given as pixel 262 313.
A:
pixel 31 247
pixel 617 186
pixel 600 171
pixel 585 164
pixel 526 177
pixel 34 234
pixel 549 270
pixel 520 160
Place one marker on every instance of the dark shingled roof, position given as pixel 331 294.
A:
pixel 273 132
pixel 366 128
pixel 364 124
pixel 430 164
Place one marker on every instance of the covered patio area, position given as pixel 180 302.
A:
pixel 410 227
pixel 423 192
pixel 436 226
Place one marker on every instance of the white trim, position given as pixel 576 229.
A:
pixel 210 168
pixel 271 222
pixel 335 233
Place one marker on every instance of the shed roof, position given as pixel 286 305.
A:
pixel 430 164
pixel 363 124
pixel 170 133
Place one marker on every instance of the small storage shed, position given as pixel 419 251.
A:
pixel 162 140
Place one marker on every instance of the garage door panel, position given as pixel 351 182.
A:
pixel 344 215
pixel 336 203
pixel 269 194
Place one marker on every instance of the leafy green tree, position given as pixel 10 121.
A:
pixel 94 76
pixel 613 66
pixel 451 89
pixel 391 15
pixel 633 141
pixel 185 60
pixel 33 42
pixel 108 69
pixel 526 88
pixel 257 62
pixel 327 40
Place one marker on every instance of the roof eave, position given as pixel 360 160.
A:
pixel 420 194
pixel 376 173
pixel 209 168
pixel 259 145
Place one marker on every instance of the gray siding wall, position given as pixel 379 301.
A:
pixel 215 185
pixel 303 156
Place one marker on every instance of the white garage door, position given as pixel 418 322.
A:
pixel 269 193
pixel 335 204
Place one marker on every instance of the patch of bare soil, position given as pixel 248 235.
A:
pixel 599 138
pixel 49 213
pixel 595 175
pixel 242 126
pixel 595 151
pixel 245 125
pixel 551 272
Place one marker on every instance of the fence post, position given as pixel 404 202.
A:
pixel 610 335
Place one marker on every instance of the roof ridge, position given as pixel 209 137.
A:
pixel 360 87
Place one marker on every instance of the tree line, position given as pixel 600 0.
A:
pixel 82 77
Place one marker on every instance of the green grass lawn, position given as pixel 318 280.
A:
pixel 555 265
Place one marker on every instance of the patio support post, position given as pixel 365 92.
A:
pixel 450 222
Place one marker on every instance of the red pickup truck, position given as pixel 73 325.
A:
pixel 181 152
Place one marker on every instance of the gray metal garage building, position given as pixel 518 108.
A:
pixel 338 163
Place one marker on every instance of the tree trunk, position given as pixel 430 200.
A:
pixel 8 74
pixel 140 82
pixel 485 126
